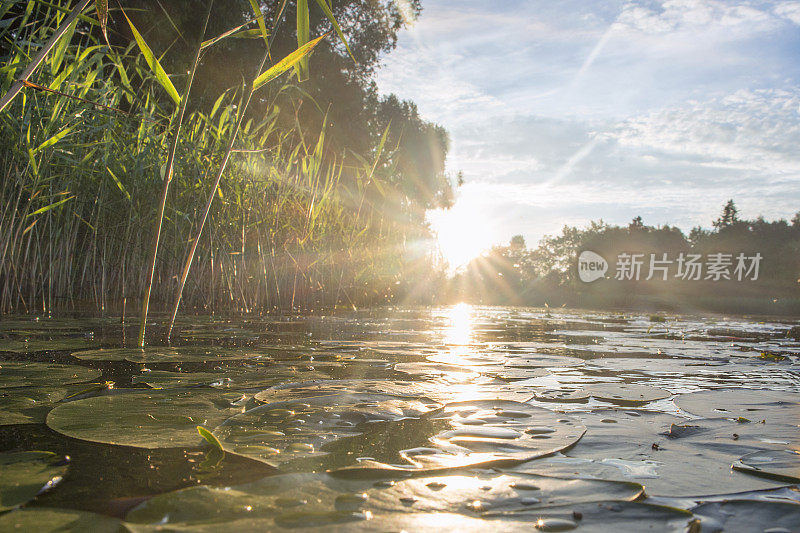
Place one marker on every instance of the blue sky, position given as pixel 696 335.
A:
pixel 569 111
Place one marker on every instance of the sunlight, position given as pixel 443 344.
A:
pixel 462 233
pixel 459 331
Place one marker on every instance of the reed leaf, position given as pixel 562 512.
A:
pixel 303 36
pixel 153 63
pixel 260 18
pixel 328 13
pixel 101 6
pixel 51 206
pixel 286 63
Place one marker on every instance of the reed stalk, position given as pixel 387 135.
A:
pixel 168 178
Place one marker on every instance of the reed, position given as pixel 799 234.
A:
pixel 264 220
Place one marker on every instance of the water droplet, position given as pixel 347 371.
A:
pixel 554 524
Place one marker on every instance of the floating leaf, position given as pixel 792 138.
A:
pixel 755 405
pixel 41 345
pixel 782 465
pixel 26 474
pixel 145 419
pixel 182 354
pixel 618 393
pixel 19 374
pixel 62 520
pixel 481 433
pixel 28 405
pixel 661 451
pixel 745 516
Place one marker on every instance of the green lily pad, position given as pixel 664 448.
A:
pixel 437 370
pixel 19 374
pixel 26 474
pixel 663 452
pixel 782 465
pixel 618 393
pixel 539 360
pixel 41 345
pixel 28 405
pixel 228 378
pixel 291 430
pixel 745 516
pixel 146 419
pixel 305 389
pixel 288 498
pixel 61 520
pixel 481 433
pixel 442 390
pixel 479 362
pixel 181 354
pixel 755 405
pixel 311 503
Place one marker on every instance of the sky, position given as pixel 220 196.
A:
pixel 570 111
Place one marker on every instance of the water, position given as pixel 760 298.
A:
pixel 452 418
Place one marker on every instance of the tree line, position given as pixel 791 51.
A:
pixel 736 265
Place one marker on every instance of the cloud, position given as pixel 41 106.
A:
pixel 756 131
pixel 677 165
pixel 564 112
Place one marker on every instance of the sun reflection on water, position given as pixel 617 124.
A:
pixel 459 330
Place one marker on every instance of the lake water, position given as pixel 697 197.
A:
pixel 459 418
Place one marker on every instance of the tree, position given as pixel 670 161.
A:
pixel 729 216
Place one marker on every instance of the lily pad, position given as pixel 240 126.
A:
pixel 751 404
pixel 661 451
pixel 618 393
pixel 145 419
pixel 61 520
pixel 26 474
pixel 491 493
pixel 20 374
pixel 442 390
pixel 228 378
pixel 290 430
pixel 305 389
pixel 623 517
pixel 745 516
pixel 28 405
pixel 539 360
pixel 782 465
pixel 181 354
pixel 479 362
pixel 41 345
pixel 437 370
pixel 301 499
pixel 481 433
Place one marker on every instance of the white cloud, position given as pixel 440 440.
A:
pixel 568 111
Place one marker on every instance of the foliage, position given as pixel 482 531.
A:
pixel 548 273
pixel 299 220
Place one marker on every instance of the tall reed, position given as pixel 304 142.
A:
pixel 292 225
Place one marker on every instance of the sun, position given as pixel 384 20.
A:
pixel 462 233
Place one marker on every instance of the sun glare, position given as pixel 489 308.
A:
pixel 461 232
